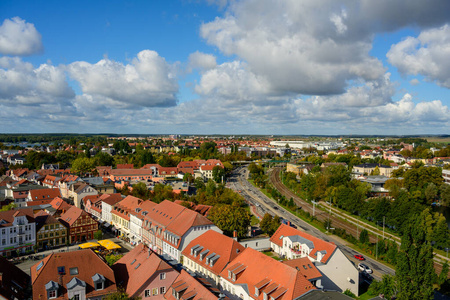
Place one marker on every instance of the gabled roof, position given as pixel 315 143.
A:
pixel 189 288
pixel 8 216
pixel 223 247
pixel 304 266
pixel 60 204
pixel 44 194
pixel 88 264
pixel 71 215
pixel 135 270
pixel 302 237
pixel 112 198
pixel 185 220
pixel 42 218
pixel 277 280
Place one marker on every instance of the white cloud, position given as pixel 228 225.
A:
pixel 21 83
pixel 414 81
pixel 202 61
pixel 18 37
pixel 294 45
pixel 148 81
pixel 426 55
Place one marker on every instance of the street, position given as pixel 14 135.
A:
pixel 255 197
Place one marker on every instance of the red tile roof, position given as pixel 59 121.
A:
pixel 189 288
pixel 44 194
pixel 274 278
pixel 304 266
pixel 319 245
pixel 126 206
pixel 88 264
pixel 60 204
pixel 71 215
pixel 136 269
pixel 223 246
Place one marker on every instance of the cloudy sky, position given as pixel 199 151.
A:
pixel 225 67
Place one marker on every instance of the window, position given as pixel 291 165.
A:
pixel 147 293
pixel 154 291
pixel 162 290
pixel 73 271
pixel 162 276
pixel 51 294
pixel 99 286
pixel 76 297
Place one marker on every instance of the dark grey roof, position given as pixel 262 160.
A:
pixel 51 285
pixel 320 295
pixel 98 277
pixel 74 282
pixel 301 240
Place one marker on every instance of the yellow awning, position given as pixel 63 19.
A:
pixel 109 245
pixel 89 245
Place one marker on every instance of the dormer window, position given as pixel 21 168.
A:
pixel 256 291
pixel 99 281
pixel 229 274
pixel 52 289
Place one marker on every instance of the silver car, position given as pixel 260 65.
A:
pixel 365 268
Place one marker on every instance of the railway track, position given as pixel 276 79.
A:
pixel 336 222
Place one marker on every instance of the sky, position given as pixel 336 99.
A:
pixel 292 67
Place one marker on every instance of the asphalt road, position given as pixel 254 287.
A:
pixel 255 197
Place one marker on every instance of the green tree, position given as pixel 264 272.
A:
pixel 140 190
pixel 218 173
pixel 103 159
pixel 265 223
pixel 414 269
pixel 230 218
pixel 82 165
pixel 120 295
pixel 98 235
pixel 211 187
pixel 8 207
pixel 111 259
pixel 445 194
pixel 188 177
pixel 364 236
pixel 199 183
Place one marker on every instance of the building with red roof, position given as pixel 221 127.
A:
pixel 208 254
pixel 143 274
pixel 81 226
pixel 43 194
pixel 337 270
pixel 187 287
pixel 254 275
pixel 17 231
pixel 169 227
pixel 72 275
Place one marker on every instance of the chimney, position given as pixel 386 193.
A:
pixel 235 235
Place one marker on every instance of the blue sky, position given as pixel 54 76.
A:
pixel 225 67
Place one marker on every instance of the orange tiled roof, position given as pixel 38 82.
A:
pixel 190 287
pixel 272 277
pixel 44 194
pixel 319 244
pixel 218 244
pixel 135 269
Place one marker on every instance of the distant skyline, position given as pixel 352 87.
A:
pixel 298 67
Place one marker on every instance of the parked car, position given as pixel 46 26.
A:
pixel 365 268
pixel 359 257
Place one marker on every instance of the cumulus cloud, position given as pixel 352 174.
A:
pixel 148 81
pixel 414 81
pixel 202 61
pixel 20 38
pixel 21 83
pixel 298 46
pixel 426 55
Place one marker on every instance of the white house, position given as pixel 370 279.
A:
pixel 338 272
pixel 17 231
